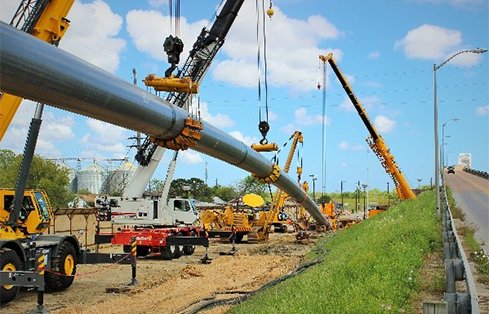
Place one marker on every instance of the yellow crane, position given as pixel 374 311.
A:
pixel 43 19
pixel 269 218
pixel 375 141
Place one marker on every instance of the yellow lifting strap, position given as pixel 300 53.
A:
pixel 272 177
pixel 171 84
pixel 189 135
pixel 271 147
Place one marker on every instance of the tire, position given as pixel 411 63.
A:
pixel 239 237
pixel 142 250
pixel 178 250
pixel 63 268
pixel 126 249
pixel 166 253
pixel 9 261
pixel 189 249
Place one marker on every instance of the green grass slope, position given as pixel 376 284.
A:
pixel 369 268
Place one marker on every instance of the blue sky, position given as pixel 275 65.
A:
pixel 386 48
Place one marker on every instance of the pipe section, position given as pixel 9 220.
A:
pixel 35 70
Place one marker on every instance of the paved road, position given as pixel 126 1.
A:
pixel 472 196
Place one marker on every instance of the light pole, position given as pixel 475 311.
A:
pixel 388 195
pixel 443 141
pixel 341 191
pixel 364 200
pixel 435 120
pixel 313 187
pixel 419 183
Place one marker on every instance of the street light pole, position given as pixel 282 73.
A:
pixel 313 187
pixel 435 121
pixel 341 191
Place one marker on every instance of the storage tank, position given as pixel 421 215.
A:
pixel 90 179
pixel 117 179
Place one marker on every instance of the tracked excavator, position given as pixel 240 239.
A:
pixel 375 140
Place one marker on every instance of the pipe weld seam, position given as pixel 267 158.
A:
pixel 188 137
pixel 272 177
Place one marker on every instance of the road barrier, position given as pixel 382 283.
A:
pixel 457 267
pixel 478 173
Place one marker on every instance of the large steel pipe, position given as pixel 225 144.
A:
pixel 38 71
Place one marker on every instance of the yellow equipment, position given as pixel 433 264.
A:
pixel 375 141
pixel 171 84
pixel 328 209
pixel 271 217
pixel 34 218
pixel 48 23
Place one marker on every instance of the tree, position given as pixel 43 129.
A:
pixel 197 189
pixel 250 184
pixel 44 174
pixel 226 193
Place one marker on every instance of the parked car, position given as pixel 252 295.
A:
pixel 451 169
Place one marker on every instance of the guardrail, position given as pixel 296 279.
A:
pixel 457 267
pixel 478 173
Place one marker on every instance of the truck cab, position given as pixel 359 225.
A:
pixel 154 211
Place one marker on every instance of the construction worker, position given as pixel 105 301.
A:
pixel 232 238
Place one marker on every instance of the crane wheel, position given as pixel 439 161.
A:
pixel 166 253
pixel 189 249
pixel 9 261
pixel 178 250
pixel 63 268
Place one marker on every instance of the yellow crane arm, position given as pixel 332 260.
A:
pixel 375 141
pixel 50 27
pixel 280 196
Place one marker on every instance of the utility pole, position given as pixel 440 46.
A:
pixel 313 187
pixel 341 191
pixel 388 195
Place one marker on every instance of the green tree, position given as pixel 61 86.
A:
pixel 197 189
pixel 226 193
pixel 44 174
pixel 252 185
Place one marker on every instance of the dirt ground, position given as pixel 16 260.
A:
pixel 176 286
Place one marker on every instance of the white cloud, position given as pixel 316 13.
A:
pixel 431 42
pixel 219 120
pixel 151 42
pixel 384 124
pixel 104 137
pixel 248 140
pixel 54 129
pixel 191 157
pixel 8 10
pixel 482 110
pixel 95 41
pixel 302 117
pixel 292 49
pixel 343 164
pixel 344 145
pixel 374 55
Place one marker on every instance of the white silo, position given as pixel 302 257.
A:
pixel 90 179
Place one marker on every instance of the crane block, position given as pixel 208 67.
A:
pixel 271 147
pixel 171 84
pixel 272 177
pixel 189 135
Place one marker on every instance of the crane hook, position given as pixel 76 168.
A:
pixel 264 127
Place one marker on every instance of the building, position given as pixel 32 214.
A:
pixel 465 159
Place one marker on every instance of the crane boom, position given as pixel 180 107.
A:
pixel 46 20
pixel 198 62
pixel 375 141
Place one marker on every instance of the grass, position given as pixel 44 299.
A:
pixel 372 267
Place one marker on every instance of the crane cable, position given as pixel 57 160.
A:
pixel 323 142
pixel 263 125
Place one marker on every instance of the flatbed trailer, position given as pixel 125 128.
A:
pixel 167 241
